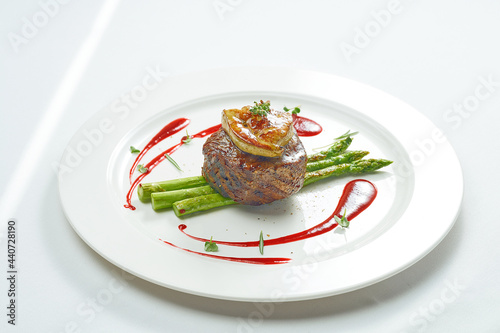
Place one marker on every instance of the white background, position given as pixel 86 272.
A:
pixel 64 61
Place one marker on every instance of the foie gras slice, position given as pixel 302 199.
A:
pixel 264 135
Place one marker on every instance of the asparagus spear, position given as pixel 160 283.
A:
pixel 201 203
pixel 337 148
pixel 144 190
pixel 361 166
pixel 347 157
pixel 205 202
pixel 161 200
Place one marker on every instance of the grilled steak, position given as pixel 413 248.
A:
pixel 252 179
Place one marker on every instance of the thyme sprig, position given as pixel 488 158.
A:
pixel 171 160
pixel 261 243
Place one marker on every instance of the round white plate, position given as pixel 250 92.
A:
pixel 418 200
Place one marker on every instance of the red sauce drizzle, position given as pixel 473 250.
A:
pixel 306 127
pixel 358 194
pixel 258 260
pixel 170 129
pixel 160 157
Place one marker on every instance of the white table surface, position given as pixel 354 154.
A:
pixel 62 61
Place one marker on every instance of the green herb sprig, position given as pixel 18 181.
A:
pixel 141 168
pixel 171 160
pixel 295 110
pixel 261 243
pixel 134 150
pixel 343 222
pixel 346 134
pixel 188 138
pixel 211 246
pixel 262 108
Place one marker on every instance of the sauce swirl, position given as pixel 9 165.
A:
pixel 168 130
pixel 357 195
pixel 256 260
pixel 172 128
pixel 305 126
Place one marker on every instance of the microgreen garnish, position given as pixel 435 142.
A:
pixel 141 168
pixel 188 138
pixel 211 246
pixel 171 160
pixel 261 108
pixel 343 136
pixel 134 150
pixel 261 243
pixel 346 135
pixel 295 110
pixel 343 222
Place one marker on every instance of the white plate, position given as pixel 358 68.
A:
pixel 418 201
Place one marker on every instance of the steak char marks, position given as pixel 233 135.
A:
pixel 251 179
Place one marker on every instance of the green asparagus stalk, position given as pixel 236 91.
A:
pixel 337 148
pixel 205 202
pixel 201 203
pixel 162 200
pixel 361 166
pixel 347 157
pixel 144 190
